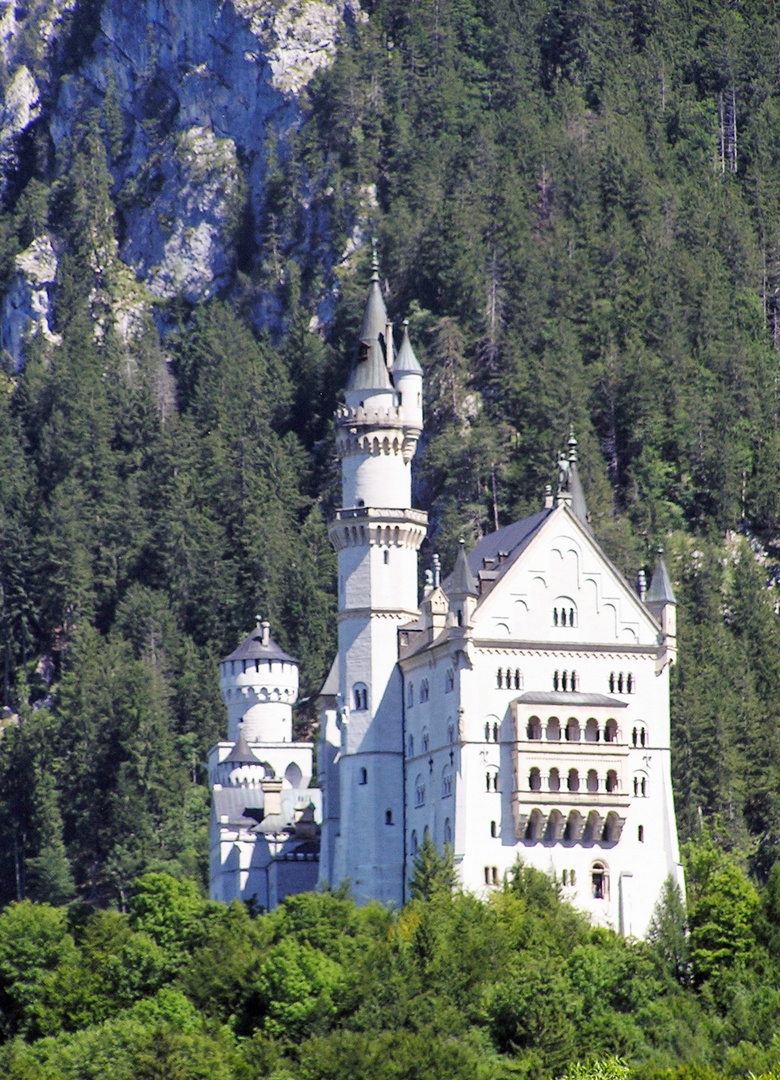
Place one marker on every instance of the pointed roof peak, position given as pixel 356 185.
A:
pixel 660 591
pixel 242 753
pixel 406 361
pixel 374 261
pixel 461 582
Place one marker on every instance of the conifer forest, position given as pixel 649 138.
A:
pixel 576 204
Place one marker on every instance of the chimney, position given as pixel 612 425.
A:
pixel 266 628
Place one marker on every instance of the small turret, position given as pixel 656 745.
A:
pixel 462 589
pixel 661 603
pixel 569 483
pixel 408 381
pixel 369 384
pixel 259 685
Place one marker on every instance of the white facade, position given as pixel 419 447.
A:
pixel 522 711
pixel 263 831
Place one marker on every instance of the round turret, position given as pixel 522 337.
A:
pixel 259 685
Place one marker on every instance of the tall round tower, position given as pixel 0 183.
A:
pixel 259 685
pixel 376 534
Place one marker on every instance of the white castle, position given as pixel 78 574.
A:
pixel 520 710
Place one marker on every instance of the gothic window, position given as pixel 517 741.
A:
pixel 593 780
pixel 553 729
pixel 446 783
pixel 410 746
pixel 449 681
pixel 360 691
pixel 573 781
pixel 425 692
pixel 534 729
pixel 535 780
pixel 447 831
pixel 554 780
pixel 425 741
pixel 612 781
pixel 592 730
pixel 419 791
pixel 599 878
pixel 610 731
pixel 410 696
pixel 572 730
pixel 363 777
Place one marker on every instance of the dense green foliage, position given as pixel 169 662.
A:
pixel 578 206
pixel 450 987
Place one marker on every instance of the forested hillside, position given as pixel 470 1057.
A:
pixel 577 205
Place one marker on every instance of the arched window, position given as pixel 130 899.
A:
pixel 553 729
pixel 491 780
pixel 612 781
pixel 612 682
pixel 410 696
pixel 620 682
pixel 592 730
pixel 642 736
pixel 360 692
pixel 413 844
pixel 487 731
pixel 388 817
pixel 410 746
pixel 449 681
pixel 631 686
pixel 419 791
pixel 425 741
pixel 500 678
pixel 640 834
pixel 634 737
pixel 363 777
pixel 534 728
pixel 640 785
pixel 446 783
pixel 573 780
pixel 556 680
pixel 518 679
pixel 425 690
pixel 554 780
pixel 495 732
pixel 599 878
pixel 610 731
pixel 535 780
pixel 447 832
pixel 572 730
pixel 493 829
pixel 593 780
pixel 575 681
pixel 565 680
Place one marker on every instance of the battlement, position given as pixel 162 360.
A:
pixel 370 416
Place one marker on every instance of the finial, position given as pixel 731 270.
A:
pixel 405 324
pixel 660 551
pixel 436 571
pixel 572 444
pixel 374 261
pixel 258 620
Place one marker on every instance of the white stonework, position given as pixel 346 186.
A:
pixel 521 712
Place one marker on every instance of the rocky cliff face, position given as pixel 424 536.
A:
pixel 189 92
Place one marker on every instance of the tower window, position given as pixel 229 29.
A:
pixel 363 777
pixel 599 881
pixel 449 681
pixel 640 833
pixel 419 792
pixel 360 692
pixel 493 829
pixel 388 817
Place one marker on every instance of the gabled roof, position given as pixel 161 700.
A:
pixel 660 591
pixel 501 547
pixel 252 648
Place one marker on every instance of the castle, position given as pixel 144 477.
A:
pixel 519 709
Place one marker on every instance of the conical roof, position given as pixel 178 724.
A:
pixel 252 648
pixel 461 581
pixel 242 753
pixel 660 591
pixel 375 313
pixel 370 372
pixel 406 362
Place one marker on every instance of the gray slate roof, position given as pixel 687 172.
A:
pixel 235 804
pixel 406 362
pixel 660 591
pixel 461 581
pixel 242 753
pixel 370 372
pixel 253 649
pixel 571 697
pixel 511 540
pixel 375 313
pixel 578 504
